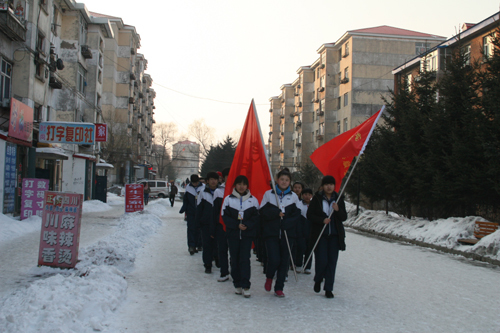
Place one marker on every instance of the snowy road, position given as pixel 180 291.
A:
pixel 381 286
pixel 23 251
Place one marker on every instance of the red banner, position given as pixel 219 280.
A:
pixel 134 198
pixel 101 132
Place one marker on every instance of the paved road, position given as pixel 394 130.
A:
pixel 381 287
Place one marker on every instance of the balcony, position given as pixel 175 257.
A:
pixel 298 123
pixel 86 52
pixel 298 144
pixel 55 82
pixel 11 26
pixel 344 80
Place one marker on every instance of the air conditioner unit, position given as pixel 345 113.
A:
pixel 321 89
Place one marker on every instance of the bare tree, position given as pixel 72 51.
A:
pixel 164 136
pixel 203 134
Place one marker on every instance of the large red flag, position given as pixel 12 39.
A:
pixel 334 157
pixel 250 159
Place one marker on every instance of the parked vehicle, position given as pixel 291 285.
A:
pixel 159 188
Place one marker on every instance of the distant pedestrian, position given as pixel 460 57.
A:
pixel 240 213
pixel 304 246
pixel 172 193
pixel 324 204
pixel 147 190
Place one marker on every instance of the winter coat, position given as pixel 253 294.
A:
pixel 319 210
pixel 234 204
pixel 304 228
pixel 147 190
pixel 205 212
pixel 218 199
pixel 173 191
pixel 272 224
pixel 190 200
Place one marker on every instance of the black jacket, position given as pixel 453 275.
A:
pixel 316 215
pixel 272 224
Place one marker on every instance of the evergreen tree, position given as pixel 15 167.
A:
pixel 219 157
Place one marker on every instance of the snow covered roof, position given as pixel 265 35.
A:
pixel 51 154
pixel 104 165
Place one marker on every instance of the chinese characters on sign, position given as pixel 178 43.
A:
pixel 32 197
pixel 101 132
pixel 61 132
pixel 9 189
pixel 60 234
pixel 134 197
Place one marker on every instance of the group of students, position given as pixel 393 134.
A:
pixel 287 220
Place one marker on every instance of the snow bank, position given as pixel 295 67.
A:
pixel 114 199
pixel 80 299
pixel 442 232
pixel 13 228
pixel 95 206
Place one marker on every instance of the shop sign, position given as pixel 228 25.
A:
pixel 65 132
pixel 60 234
pixel 9 188
pixel 101 132
pixel 21 121
pixel 33 196
pixel 134 198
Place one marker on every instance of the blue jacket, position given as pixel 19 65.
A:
pixel 272 224
pixel 232 206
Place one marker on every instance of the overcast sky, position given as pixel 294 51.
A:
pixel 208 59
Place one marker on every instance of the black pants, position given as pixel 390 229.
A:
pixel 240 250
pixel 222 248
pixel 326 256
pixel 278 260
pixel 208 245
pixel 172 199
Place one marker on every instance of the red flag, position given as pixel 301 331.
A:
pixel 250 159
pixel 334 157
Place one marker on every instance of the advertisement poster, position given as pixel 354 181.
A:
pixel 101 132
pixel 9 189
pixel 21 121
pixel 60 234
pixel 134 198
pixel 63 132
pixel 33 196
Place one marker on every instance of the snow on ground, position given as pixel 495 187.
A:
pixel 12 227
pixel 442 232
pixel 95 206
pixel 79 300
pixel 114 199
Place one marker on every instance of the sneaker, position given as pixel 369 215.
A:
pixel 238 291
pixel 298 269
pixel 191 250
pixel 328 294
pixel 208 270
pixel 268 285
pixel 307 271
pixel 279 293
pixel 246 292
pixel 223 278
pixel 317 286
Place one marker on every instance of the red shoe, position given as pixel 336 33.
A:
pixel 268 285
pixel 279 293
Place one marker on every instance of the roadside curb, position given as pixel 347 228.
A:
pixel 473 256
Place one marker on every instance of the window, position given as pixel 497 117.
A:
pixel 465 52
pixel 345 125
pixel 346 73
pixel 346 99
pixel 409 81
pixel 99 76
pixel 40 42
pixel 323 58
pixel 54 25
pixel 487 47
pixel 346 51
pixel 47 114
pixel 421 47
pixel 322 81
pixel 339 130
pixel 39 70
pixel 339 75
pixel 322 105
pixel 38 113
pixel 317 73
pixel 5 79
pixel 81 79
pixel 83 31
pixel 299 139
pixel 321 128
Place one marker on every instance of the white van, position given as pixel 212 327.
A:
pixel 159 188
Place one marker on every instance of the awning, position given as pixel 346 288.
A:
pixel 85 156
pixel 104 166
pixel 51 154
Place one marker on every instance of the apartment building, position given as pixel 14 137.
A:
pixel 340 89
pixel 474 41
pixel 54 67
pixel 185 159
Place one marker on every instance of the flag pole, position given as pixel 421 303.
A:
pixel 274 187
pixel 324 227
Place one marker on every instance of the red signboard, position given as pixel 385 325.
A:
pixel 60 236
pixel 21 121
pixel 134 198
pixel 101 132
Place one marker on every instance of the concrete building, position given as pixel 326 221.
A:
pixel 340 89
pixel 185 159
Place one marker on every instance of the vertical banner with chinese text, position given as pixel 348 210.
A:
pixel 60 235
pixel 9 187
pixel 134 198
pixel 33 196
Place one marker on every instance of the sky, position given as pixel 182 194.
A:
pixel 209 59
